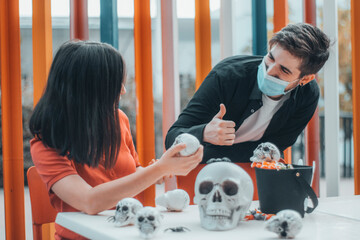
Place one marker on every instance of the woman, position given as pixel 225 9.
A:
pixel 82 146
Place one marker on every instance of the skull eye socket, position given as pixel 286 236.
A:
pixel 151 218
pixel 117 208
pixel 177 141
pixel 230 188
pixel 206 187
pixel 140 219
pixel 125 208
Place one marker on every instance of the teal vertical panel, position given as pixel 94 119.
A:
pixel 109 22
pixel 259 27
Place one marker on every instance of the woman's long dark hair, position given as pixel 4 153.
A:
pixel 77 114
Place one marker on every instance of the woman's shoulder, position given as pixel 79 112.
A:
pixel 43 155
pixel 123 119
pixel 50 165
pixel 40 151
pixel 36 144
pixel 122 115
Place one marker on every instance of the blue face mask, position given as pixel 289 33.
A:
pixel 269 85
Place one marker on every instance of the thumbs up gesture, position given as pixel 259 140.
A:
pixel 219 131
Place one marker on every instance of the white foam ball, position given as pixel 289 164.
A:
pixel 192 143
pixel 175 200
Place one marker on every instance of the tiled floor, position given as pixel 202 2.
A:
pixel 346 188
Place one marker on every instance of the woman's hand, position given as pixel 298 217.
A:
pixel 173 164
pixel 161 180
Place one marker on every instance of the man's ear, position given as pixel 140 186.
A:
pixel 307 79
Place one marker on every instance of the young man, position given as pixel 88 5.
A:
pixel 261 99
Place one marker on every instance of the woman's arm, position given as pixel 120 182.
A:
pixel 77 193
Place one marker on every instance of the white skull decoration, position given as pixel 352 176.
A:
pixel 148 220
pixel 224 192
pixel 175 200
pixel 265 152
pixel 191 142
pixel 125 212
pixel 286 224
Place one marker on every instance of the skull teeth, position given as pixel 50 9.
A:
pixel 217 217
pixel 123 218
pixel 147 228
pixel 218 212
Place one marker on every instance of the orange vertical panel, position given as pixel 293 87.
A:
pixel 312 148
pixel 79 26
pixel 171 95
pixel 309 11
pixel 202 40
pixel 11 108
pixel 281 14
pixel 312 132
pixel 355 43
pixel 42 45
pixel 145 137
pixel 42 58
pixel 281 19
pixel 287 155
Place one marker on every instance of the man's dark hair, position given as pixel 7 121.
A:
pixel 305 42
pixel 78 113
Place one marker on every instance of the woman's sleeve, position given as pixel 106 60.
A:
pixel 49 164
pixel 129 140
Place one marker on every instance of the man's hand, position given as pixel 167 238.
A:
pixel 218 131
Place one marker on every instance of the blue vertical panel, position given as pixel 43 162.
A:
pixel 259 27
pixel 109 22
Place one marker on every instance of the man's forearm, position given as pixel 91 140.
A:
pixel 175 131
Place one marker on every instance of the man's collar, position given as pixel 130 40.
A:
pixel 256 94
pixel 294 92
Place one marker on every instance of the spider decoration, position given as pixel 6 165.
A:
pixel 178 229
pixel 258 215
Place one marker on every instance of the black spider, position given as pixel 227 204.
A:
pixel 111 219
pixel 178 229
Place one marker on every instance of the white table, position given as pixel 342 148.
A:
pixel 335 218
pixel 347 207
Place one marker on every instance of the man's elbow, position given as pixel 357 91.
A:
pixel 169 139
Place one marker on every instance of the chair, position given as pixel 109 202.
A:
pixel 41 209
pixel 187 183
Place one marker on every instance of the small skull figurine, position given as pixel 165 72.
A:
pixel 286 224
pixel 224 192
pixel 125 212
pixel 192 144
pixel 148 220
pixel 266 152
pixel 175 200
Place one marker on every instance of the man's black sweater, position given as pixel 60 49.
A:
pixel 233 82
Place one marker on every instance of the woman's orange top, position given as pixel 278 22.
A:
pixel 52 167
